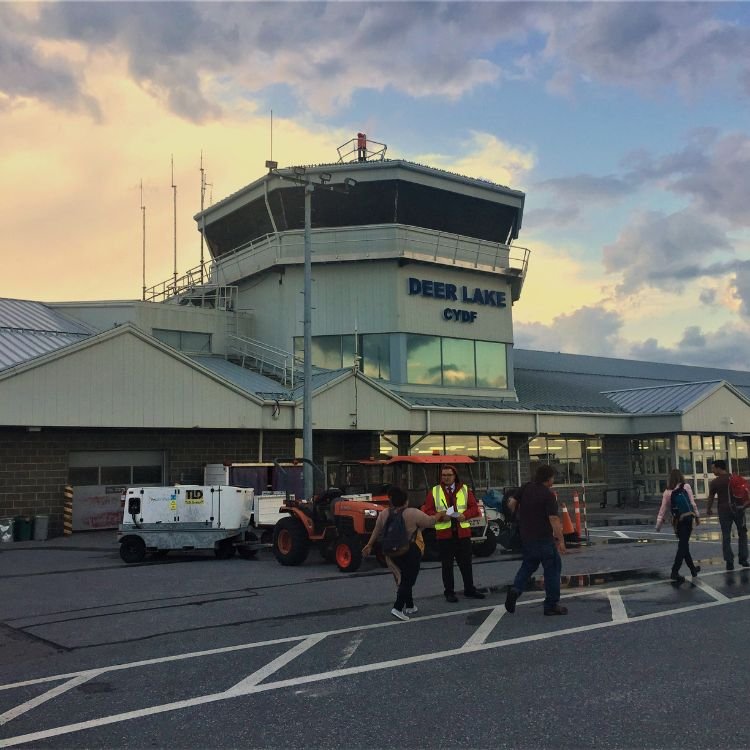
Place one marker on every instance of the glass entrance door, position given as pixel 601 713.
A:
pixel 701 474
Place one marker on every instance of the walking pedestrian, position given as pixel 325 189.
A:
pixel 457 503
pixel 405 561
pixel 679 503
pixel 541 539
pixel 728 514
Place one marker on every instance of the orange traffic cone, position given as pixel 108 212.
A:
pixel 568 531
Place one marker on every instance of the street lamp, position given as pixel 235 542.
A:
pixel 299 176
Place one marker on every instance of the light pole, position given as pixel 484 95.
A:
pixel 299 176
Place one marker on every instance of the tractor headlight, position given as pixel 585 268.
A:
pixel 370 513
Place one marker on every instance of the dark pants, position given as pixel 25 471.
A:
pixel 726 520
pixel 458 549
pixel 683 530
pixel 544 552
pixel 408 564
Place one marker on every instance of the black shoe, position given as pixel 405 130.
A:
pixel 696 570
pixel 474 594
pixel 730 566
pixel 745 563
pixel 677 577
pixel 510 601
pixel 452 598
pixel 558 609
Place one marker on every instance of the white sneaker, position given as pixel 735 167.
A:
pixel 399 614
pixel 410 610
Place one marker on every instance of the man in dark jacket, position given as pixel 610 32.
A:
pixel 453 531
pixel 542 540
pixel 719 489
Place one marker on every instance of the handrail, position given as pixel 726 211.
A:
pixel 281 362
pixel 342 242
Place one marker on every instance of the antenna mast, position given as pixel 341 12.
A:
pixel 271 156
pixel 203 203
pixel 143 235
pixel 174 196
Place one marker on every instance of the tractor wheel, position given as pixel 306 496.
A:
pixel 224 549
pixel 348 553
pixel 487 547
pixel 247 553
pixel 290 542
pixel 132 549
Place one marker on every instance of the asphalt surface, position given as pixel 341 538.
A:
pixel 194 652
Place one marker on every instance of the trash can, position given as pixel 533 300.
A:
pixel 22 529
pixel 6 530
pixel 41 528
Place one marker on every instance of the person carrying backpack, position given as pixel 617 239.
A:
pixel 678 503
pixel 731 511
pixel 396 530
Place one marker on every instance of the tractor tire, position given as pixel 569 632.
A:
pixel 348 553
pixel 290 542
pixel 225 549
pixel 245 552
pixel 487 547
pixel 132 549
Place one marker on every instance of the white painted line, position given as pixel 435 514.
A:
pixel 621 534
pixel 710 590
pixel 274 666
pixel 352 629
pixel 48 696
pixel 349 671
pixel 482 632
pixel 348 651
pixel 619 614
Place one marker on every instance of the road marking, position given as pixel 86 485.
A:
pixel 48 696
pixel 349 671
pixel 710 590
pixel 621 534
pixel 619 613
pixel 352 629
pixel 274 666
pixel 482 632
pixel 348 651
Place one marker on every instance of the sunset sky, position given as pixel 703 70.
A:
pixel 626 125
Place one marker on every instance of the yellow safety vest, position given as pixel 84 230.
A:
pixel 441 503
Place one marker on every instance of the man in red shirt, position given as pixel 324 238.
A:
pixel 453 532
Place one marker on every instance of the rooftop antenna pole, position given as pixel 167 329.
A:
pixel 203 203
pixel 271 156
pixel 174 198
pixel 143 235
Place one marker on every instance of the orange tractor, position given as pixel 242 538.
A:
pixel 338 525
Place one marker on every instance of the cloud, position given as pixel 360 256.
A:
pixel 588 330
pixel 485 156
pixel 326 52
pixel 586 188
pixel 648 47
pixel 664 251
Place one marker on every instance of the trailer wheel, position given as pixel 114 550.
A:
pixel 487 547
pixel 290 542
pixel 224 549
pixel 348 554
pixel 246 553
pixel 132 549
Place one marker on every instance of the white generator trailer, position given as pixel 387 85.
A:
pixel 187 517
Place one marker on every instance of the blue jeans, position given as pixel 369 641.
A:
pixel 544 552
pixel 726 520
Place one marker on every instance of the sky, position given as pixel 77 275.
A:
pixel 626 125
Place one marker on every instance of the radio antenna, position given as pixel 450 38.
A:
pixel 174 198
pixel 143 236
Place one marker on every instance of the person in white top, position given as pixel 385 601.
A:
pixel 678 503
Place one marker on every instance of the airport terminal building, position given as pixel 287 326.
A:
pixel 414 275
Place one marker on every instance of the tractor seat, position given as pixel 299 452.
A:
pixel 325 504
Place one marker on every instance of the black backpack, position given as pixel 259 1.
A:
pixel 395 540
